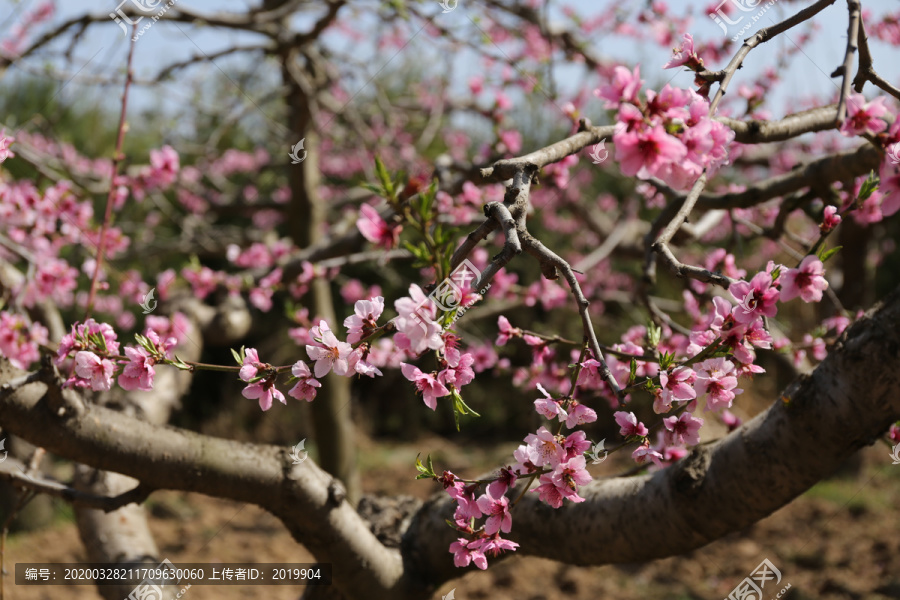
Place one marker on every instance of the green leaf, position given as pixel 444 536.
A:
pixel 237 356
pixel 373 188
pixel 824 254
pixel 869 187
pixel 385 178
pixel 654 334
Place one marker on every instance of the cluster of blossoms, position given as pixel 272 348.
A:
pixel 669 135
pixel 556 461
pixel 96 353
pixel 20 340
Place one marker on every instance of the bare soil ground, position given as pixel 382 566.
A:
pixel 840 540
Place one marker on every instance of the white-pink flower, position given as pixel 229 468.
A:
pixel 305 388
pixel 497 511
pixel 99 371
pixel 417 330
pixel 362 323
pixel 716 377
pixel 330 353
pixel 546 448
pixel 265 391
pixel 806 281
pixel 547 406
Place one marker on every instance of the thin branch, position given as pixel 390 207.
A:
pixel 762 36
pixel 845 69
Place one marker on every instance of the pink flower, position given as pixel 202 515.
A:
pixel 497 511
pixel 359 365
pixel 503 101
pixel 894 433
pixel 417 330
pixel 98 371
pixel 266 391
pixel 715 377
pixel 138 372
pixel 576 444
pixel 624 87
pixel 460 375
pixel 362 323
pixel 305 388
pixel 805 281
pixel 251 365
pixel 330 353
pixel 830 219
pixel 547 406
pixel 644 452
pixel 512 140
pixel 675 387
pixel 629 425
pixel 507 331
pixel 684 430
pixel 579 414
pixel 506 480
pixel 684 55
pixel 5 141
pixel 377 230
pixel 864 117
pixel 548 492
pixel 431 388
pixel 495 545
pixel 755 299
pixel 164 166
pixel 546 449
pixel 568 475
pixel 730 420
pixel 646 152
pixel 465 552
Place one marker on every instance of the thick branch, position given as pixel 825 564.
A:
pixel 718 489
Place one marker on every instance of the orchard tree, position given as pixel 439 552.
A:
pixel 644 271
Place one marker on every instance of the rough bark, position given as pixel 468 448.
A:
pixel 844 405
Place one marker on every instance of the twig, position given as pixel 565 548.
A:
pixel 116 161
pixel 762 36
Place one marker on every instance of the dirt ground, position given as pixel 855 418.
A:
pixel 840 540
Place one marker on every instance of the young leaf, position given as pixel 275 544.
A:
pixel 826 254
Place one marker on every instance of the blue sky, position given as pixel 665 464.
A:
pixel 102 53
